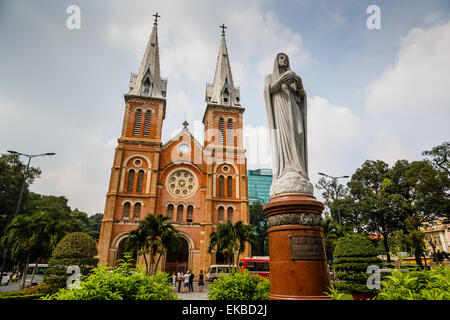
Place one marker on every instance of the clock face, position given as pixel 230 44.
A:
pixel 183 148
pixel 182 183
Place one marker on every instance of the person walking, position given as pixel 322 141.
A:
pixel 186 277
pixel 179 279
pixel 191 282
pixel 200 281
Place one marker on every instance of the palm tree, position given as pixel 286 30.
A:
pixel 224 240
pixel 24 234
pixel 229 239
pixel 244 233
pixel 154 235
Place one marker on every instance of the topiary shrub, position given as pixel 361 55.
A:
pixel 240 286
pixel 119 283
pixel 354 253
pixel 77 248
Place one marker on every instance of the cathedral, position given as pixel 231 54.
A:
pixel 196 185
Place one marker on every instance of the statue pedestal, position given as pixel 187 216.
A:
pixel 298 267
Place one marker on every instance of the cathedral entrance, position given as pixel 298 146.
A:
pixel 121 250
pixel 178 260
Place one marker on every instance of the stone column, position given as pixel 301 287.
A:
pixel 298 268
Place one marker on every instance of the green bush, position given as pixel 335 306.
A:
pixel 76 248
pixel 417 285
pixel 240 286
pixel 354 253
pixel 120 283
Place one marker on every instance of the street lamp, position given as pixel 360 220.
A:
pixel 21 193
pixel 335 191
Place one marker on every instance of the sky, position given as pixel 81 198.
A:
pixel 373 93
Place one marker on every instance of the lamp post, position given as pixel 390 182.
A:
pixel 30 156
pixel 336 191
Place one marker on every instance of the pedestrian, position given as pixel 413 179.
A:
pixel 174 282
pixel 191 282
pixel 200 281
pixel 186 281
pixel 179 279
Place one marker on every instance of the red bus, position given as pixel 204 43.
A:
pixel 256 265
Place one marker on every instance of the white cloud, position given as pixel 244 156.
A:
pixel 419 80
pixel 388 148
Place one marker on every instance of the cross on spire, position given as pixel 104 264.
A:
pixel 156 17
pixel 223 28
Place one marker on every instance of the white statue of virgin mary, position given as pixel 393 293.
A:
pixel 285 101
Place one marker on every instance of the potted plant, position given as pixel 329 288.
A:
pixel 354 253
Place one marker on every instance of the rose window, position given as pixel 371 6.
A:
pixel 182 183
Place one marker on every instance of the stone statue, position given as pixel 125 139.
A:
pixel 285 101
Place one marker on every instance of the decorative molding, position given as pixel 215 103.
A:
pixel 306 219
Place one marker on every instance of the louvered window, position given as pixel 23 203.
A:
pixel 170 211
pixel 220 214
pixel 126 210
pixel 180 213
pixel 137 122
pixel 230 131
pixel 130 181
pixel 230 214
pixel 140 181
pixel 137 211
pixel 147 119
pixel 190 213
pixel 221 130
pixel 229 186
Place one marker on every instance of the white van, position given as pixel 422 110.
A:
pixel 38 275
pixel 218 270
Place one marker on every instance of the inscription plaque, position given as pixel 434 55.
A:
pixel 306 248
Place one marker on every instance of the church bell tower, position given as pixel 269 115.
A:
pixel 132 188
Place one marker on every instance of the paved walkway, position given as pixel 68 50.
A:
pixel 196 295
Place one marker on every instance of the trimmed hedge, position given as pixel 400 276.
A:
pixel 76 248
pixel 354 253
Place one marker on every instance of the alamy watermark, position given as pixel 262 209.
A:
pixel 374 20
pixel 73 21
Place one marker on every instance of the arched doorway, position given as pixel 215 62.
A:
pixel 121 250
pixel 178 260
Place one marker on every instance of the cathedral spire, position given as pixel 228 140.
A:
pixel 222 91
pixel 148 81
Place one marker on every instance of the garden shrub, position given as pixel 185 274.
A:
pixel 76 248
pixel 354 253
pixel 240 286
pixel 417 285
pixel 119 283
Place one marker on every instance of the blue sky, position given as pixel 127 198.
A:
pixel 372 94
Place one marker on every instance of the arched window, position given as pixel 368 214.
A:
pixel 180 212
pixel 221 130
pixel 170 211
pixel 137 122
pixel 230 214
pixel 130 181
pixel 220 214
pixel 137 211
pixel 226 95
pixel 147 119
pixel 140 181
pixel 229 186
pixel 126 211
pixel 190 213
pixel 221 186
pixel 230 131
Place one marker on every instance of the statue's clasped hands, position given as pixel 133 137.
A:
pixel 290 77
